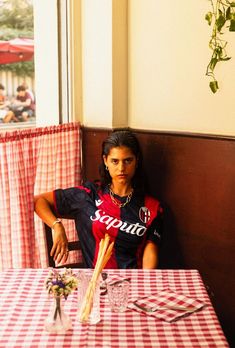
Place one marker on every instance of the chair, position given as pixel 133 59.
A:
pixel 75 245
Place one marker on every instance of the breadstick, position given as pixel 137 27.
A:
pixel 104 254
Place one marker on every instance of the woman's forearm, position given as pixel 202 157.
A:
pixel 150 256
pixel 43 206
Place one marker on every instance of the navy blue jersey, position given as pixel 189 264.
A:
pixel 130 227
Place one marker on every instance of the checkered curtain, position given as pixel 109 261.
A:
pixel 31 162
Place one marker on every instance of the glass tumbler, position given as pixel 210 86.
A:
pixel 118 295
pixel 84 283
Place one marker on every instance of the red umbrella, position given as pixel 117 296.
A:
pixel 16 50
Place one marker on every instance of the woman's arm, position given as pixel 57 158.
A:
pixel 44 207
pixel 150 256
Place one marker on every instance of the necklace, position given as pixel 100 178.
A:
pixel 120 205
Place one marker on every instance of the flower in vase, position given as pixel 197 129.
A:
pixel 61 283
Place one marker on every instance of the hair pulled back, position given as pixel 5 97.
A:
pixel 117 139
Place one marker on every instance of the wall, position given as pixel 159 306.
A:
pixel 167 44
pixel 104 63
pixel 97 62
pixel 168 55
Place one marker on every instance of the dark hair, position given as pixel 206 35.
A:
pixel 2 87
pixel 20 88
pixel 118 139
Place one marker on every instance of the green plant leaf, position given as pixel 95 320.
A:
pixel 224 59
pixel 232 25
pixel 213 63
pixel 219 51
pixel 208 17
pixel 232 16
pixel 228 13
pixel 214 86
pixel 222 16
pixel 220 21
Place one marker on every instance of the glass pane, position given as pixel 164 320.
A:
pixel 17 87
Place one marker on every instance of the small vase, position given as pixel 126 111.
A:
pixel 57 321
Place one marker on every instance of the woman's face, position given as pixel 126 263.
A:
pixel 121 163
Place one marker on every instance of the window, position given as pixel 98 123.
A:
pixel 57 61
pixel 17 61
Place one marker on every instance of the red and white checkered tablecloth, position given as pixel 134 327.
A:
pixel 24 305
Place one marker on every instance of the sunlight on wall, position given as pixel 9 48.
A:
pixel 97 62
pixel 168 55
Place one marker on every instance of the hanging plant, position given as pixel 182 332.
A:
pixel 221 17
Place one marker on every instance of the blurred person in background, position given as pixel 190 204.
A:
pixel 5 114
pixel 22 107
pixel 24 84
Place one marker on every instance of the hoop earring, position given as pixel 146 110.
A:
pixel 107 168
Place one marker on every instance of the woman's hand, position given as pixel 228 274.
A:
pixel 44 207
pixel 59 251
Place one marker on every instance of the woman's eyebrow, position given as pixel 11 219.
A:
pixel 124 159
pixel 129 157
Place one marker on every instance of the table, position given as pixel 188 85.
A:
pixel 24 305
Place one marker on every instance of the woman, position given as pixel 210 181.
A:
pixel 118 206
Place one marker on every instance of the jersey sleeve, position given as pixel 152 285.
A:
pixel 155 230
pixel 68 202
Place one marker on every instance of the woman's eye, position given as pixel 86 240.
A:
pixel 115 161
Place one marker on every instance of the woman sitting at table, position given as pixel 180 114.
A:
pixel 118 206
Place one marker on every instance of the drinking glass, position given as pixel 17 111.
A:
pixel 118 295
pixel 84 278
